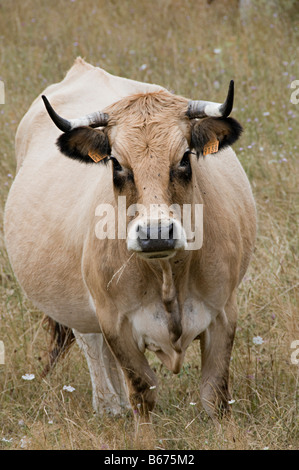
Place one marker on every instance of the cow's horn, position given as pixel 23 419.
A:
pixel 96 119
pixel 201 109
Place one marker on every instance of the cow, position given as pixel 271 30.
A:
pixel 143 147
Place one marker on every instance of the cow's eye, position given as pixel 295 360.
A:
pixel 185 162
pixel 183 170
pixel 121 174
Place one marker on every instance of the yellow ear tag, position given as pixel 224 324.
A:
pixel 211 147
pixel 96 157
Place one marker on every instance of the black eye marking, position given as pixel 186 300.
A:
pixel 121 175
pixel 185 160
pixel 183 171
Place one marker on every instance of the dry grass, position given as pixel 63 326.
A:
pixel 193 49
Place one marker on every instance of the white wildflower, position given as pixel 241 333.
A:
pixel 28 377
pixel 257 340
pixel 68 388
pixel 230 402
pixel 192 403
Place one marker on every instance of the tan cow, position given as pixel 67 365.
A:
pixel 134 291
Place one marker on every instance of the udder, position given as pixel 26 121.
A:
pixel 150 331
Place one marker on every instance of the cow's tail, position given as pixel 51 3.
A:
pixel 61 339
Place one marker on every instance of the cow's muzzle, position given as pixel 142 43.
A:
pixel 157 238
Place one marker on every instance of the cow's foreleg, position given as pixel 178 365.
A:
pixel 140 378
pixel 108 385
pixel 216 346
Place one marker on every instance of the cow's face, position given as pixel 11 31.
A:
pixel 150 153
pixel 149 141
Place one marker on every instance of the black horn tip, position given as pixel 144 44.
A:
pixel 47 104
pixel 227 106
pixel 62 124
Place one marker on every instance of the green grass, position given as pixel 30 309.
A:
pixel 193 49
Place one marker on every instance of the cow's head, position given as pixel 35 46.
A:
pixel 152 141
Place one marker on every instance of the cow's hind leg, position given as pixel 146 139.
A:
pixel 216 346
pixel 108 385
pixel 62 339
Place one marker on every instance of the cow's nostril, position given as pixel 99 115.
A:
pixel 171 232
pixel 143 232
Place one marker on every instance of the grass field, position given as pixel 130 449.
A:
pixel 192 48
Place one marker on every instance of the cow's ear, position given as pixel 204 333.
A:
pixel 214 133
pixel 85 144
